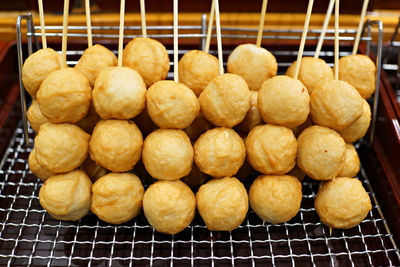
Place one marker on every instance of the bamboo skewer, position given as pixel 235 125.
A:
pixel 324 27
pixel 121 32
pixel 303 38
pixel 64 34
pixel 143 17
pixel 337 40
pixel 261 24
pixel 360 24
pixel 176 41
pixel 219 41
pixel 88 23
pixel 209 29
pixel 42 28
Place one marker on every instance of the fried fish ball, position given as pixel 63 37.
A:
pixel 336 104
pixel 342 203
pixel 253 117
pixel 119 93
pixel 148 57
pixel 284 101
pixel 359 128
pixel 254 64
pixel 169 206
pixel 116 145
pixel 35 116
pixel 67 196
pixel 197 69
pixel 321 152
pixel 351 165
pixel 95 59
pixel 36 68
pixel 117 197
pixel 61 147
pixel 313 71
pixel 271 149
pixel 359 71
pixel 219 152
pixel 93 170
pixel 89 122
pixel 167 154
pixel 222 203
pixel 275 199
pixel 65 96
pixel 172 105
pixel 199 126
pixel 38 170
pixel 225 100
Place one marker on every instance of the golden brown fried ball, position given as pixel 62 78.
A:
pixel 65 96
pixel 271 149
pixel 225 101
pixel 359 128
pixel 119 93
pixel 36 68
pixel 61 147
pixel 38 170
pixel 93 170
pixel 197 69
pixel 95 59
pixel 342 203
pixel 117 197
pixel 89 122
pixel 253 117
pixel 359 71
pixel 222 203
pixel 284 101
pixel 275 199
pixel 199 126
pixel 172 105
pixel 313 71
pixel 219 152
pixel 169 206
pixel 148 57
pixel 351 165
pixel 336 104
pixel 35 116
pixel 116 145
pixel 254 64
pixel 167 154
pixel 321 152
pixel 67 196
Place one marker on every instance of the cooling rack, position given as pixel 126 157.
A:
pixel 30 237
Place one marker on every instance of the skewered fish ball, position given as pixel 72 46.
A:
pixel 119 93
pixel 342 203
pixel 197 69
pixel 61 147
pixel 65 96
pixel 321 152
pixel 275 199
pixel 169 206
pixel 219 152
pixel 313 71
pixel 116 145
pixel 36 68
pixel 148 57
pixel 172 105
pixel 167 154
pixel 254 64
pixel 222 203
pixel 95 59
pixel 35 116
pixel 351 165
pixel 117 197
pixel 359 71
pixel 225 101
pixel 284 101
pixel 336 104
pixel 271 149
pixel 253 117
pixel 67 197
pixel 38 170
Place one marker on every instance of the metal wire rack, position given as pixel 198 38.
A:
pixel 31 237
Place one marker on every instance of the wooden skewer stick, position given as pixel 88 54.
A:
pixel 88 23
pixel 143 16
pixel 261 25
pixel 42 29
pixel 324 27
pixel 337 40
pixel 64 34
pixel 360 25
pixel 121 32
pixel 209 29
pixel 219 41
pixel 176 41
pixel 303 38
